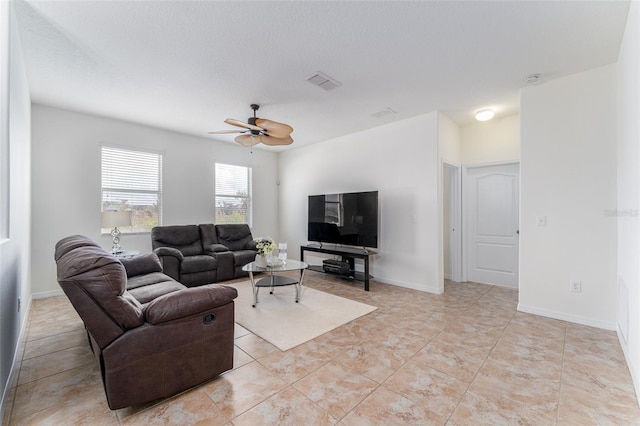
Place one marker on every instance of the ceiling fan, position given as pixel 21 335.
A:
pixel 259 130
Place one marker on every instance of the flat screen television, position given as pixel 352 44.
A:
pixel 348 218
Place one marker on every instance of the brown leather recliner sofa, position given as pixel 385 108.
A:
pixel 202 254
pixel 152 337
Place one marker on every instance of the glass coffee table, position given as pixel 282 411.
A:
pixel 274 280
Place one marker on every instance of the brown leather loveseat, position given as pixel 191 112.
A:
pixel 152 337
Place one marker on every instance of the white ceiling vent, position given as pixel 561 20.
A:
pixel 324 81
pixel 385 112
pixel 532 79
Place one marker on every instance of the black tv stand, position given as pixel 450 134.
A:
pixel 348 254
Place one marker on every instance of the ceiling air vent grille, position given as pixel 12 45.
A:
pixel 385 112
pixel 324 81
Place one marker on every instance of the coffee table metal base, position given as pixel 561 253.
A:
pixel 273 281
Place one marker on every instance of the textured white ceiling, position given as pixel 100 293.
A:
pixel 186 66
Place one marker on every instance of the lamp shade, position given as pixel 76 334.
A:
pixel 113 219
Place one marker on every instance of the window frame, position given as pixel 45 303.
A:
pixel 249 197
pixel 160 187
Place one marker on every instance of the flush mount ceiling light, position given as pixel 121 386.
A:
pixel 485 114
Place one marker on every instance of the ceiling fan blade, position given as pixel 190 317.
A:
pixel 248 140
pixel 271 141
pixel 239 123
pixel 222 132
pixel 273 128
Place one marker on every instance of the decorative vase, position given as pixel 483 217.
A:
pixel 261 261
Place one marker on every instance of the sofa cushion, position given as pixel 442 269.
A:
pixel 188 302
pixel 147 293
pixel 199 263
pixel 242 257
pixel 88 269
pixel 208 234
pixel 234 236
pixel 141 264
pixel 185 238
pixel 146 279
pixel 72 242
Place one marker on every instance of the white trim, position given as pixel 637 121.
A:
pixel 577 319
pixel 635 379
pixel 489 164
pixel 414 286
pixel 12 379
pixel 45 294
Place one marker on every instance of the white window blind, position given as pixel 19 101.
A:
pixel 132 181
pixel 233 194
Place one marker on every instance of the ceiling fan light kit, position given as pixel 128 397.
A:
pixel 259 130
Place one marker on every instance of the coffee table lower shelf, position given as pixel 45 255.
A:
pixel 274 280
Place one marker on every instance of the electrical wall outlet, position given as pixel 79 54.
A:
pixel 575 286
pixel 19 302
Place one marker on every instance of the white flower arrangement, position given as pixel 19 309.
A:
pixel 265 245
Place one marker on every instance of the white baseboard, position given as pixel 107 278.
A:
pixel 413 286
pixel 577 319
pixel 45 294
pixel 635 379
pixel 17 356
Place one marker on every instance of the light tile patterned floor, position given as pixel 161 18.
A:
pixel 462 358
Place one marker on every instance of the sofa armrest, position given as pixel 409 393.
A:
pixel 216 248
pixel 187 302
pixel 171 259
pixel 141 264
pixel 251 245
pixel 169 251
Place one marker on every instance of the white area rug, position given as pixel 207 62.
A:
pixel 281 321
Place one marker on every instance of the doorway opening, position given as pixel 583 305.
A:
pixel 451 223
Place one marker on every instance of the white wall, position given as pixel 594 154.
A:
pixel 568 174
pixel 493 141
pixel 449 141
pixel 66 181
pixel 400 160
pixel 15 280
pixel 628 91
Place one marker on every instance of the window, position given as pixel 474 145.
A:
pixel 233 194
pixel 132 181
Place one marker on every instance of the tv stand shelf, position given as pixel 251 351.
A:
pixel 348 254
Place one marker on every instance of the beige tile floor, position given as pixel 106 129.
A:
pixel 466 357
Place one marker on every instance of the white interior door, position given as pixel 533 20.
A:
pixel 492 207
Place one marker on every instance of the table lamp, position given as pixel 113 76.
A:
pixel 113 219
